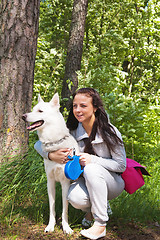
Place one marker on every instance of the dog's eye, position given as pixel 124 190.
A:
pixel 40 111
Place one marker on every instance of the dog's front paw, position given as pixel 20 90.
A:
pixel 49 228
pixel 67 229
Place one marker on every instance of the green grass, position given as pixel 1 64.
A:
pixel 23 193
pixel 144 204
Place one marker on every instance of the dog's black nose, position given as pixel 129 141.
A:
pixel 24 117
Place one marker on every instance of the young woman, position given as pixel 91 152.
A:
pixel 103 156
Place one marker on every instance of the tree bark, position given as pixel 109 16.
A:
pixel 75 49
pixel 18 44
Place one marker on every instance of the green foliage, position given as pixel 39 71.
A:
pixel 121 60
pixel 55 18
pixel 48 70
pixel 121 48
pixel 23 188
pixel 139 124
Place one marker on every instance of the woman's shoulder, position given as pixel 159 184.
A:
pixel 79 133
pixel 116 130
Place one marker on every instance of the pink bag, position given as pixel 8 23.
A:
pixel 132 176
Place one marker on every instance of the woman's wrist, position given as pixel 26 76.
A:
pixel 49 157
pixel 59 156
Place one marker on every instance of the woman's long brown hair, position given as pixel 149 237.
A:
pixel 101 123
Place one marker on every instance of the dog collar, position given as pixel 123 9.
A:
pixel 52 146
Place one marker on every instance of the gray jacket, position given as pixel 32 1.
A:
pixel 114 161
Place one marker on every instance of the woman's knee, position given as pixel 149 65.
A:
pixel 78 195
pixel 92 171
pixel 73 200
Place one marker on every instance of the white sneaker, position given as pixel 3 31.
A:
pixel 87 223
pixel 86 234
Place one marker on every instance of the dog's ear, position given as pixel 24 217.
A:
pixel 55 101
pixel 39 98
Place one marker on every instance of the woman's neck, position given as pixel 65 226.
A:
pixel 88 125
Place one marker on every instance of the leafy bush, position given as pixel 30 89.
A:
pixel 121 60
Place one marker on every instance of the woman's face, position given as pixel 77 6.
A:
pixel 83 109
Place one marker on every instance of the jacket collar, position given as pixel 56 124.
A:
pixel 81 134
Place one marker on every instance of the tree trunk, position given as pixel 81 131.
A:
pixel 75 48
pixel 18 44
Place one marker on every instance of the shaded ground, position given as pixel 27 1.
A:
pixel 130 231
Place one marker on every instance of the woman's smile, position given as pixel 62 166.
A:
pixel 79 116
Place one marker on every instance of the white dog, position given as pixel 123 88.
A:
pixel 54 135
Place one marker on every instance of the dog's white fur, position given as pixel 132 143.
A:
pixel 54 135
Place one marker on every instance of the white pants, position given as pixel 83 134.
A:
pixel 92 191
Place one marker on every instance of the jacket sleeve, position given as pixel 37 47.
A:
pixel 117 160
pixel 115 164
pixel 38 148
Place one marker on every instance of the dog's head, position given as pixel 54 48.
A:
pixel 43 113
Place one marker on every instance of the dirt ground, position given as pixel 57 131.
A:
pixel 26 230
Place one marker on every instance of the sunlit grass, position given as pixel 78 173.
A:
pixel 23 193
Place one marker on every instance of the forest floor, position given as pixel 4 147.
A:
pixel 25 229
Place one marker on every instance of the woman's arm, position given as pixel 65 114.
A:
pixel 117 161
pixel 116 164
pixel 59 156
pixel 38 148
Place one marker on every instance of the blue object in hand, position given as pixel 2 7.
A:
pixel 72 168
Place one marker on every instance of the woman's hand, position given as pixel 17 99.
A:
pixel 60 156
pixel 84 159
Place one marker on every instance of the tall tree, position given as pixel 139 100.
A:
pixel 18 42
pixel 75 48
